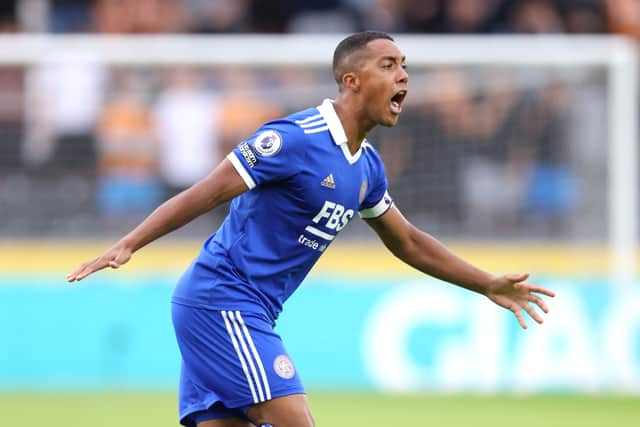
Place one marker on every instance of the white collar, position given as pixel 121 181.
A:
pixel 337 131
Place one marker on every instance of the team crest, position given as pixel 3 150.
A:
pixel 268 143
pixel 363 191
pixel 284 367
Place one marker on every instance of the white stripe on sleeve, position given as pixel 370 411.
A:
pixel 237 164
pixel 308 119
pixel 313 124
pixel 316 130
pixel 378 209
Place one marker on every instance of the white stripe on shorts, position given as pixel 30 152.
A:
pixel 247 355
pixel 238 352
pixel 256 355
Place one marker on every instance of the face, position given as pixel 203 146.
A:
pixel 383 82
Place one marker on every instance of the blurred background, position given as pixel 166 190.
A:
pixel 517 147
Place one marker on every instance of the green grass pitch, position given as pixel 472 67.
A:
pixel 342 409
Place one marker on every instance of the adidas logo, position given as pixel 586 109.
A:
pixel 329 182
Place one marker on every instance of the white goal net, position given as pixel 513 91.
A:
pixel 501 139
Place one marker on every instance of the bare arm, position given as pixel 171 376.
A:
pixel 427 254
pixel 221 185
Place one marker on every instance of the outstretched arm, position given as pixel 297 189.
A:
pixel 428 255
pixel 223 184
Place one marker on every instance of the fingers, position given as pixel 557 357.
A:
pixel 516 311
pixel 535 316
pixel 75 275
pixel 86 269
pixel 541 290
pixel 91 267
pixel 517 296
pixel 539 302
pixel 517 277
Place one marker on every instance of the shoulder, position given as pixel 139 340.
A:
pixel 293 130
pixel 295 124
pixel 310 122
pixel 370 153
pixel 280 135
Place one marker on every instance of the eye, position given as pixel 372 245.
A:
pixel 388 66
pixel 404 66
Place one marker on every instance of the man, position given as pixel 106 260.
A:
pixel 308 174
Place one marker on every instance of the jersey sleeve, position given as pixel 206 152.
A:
pixel 377 200
pixel 271 154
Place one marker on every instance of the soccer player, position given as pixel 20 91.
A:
pixel 295 184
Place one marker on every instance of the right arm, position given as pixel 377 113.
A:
pixel 221 185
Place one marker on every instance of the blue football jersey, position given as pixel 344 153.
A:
pixel 304 188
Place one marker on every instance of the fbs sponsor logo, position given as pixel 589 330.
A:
pixel 248 155
pixel 337 217
pixel 329 182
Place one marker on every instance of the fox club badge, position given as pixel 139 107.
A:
pixel 268 143
pixel 284 367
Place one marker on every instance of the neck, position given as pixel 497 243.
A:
pixel 354 121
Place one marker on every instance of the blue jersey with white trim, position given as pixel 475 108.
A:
pixel 304 188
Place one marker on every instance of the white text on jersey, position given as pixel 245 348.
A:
pixel 337 216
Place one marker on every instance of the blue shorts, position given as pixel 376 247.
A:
pixel 230 361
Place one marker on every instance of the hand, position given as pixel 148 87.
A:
pixel 117 255
pixel 513 293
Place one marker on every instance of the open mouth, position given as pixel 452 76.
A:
pixel 396 101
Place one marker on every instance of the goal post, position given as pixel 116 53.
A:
pixel 617 55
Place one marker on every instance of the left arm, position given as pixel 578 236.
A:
pixel 427 254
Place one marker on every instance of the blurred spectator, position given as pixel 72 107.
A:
pixel 33 15
pixel 217 16
pixel 128 181
pixel 384 15
pixel 536 16
pixel 11 119
pixel 271 16
pixel 186 120
pixel 8 16
pixel 552 188
pixel 497 161
pixel 281 16
pixel 469 16
pixel 322 16
pixel 139 16
pixel 624 17
pixel 69 16
pixel 424 16
pixel 64 99
pixel 12 99
pixel 584 16
pixel 244 109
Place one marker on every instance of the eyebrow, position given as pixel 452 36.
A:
pixel 393 58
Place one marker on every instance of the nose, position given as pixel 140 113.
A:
pixel 403 76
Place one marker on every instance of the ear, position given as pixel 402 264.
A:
pixel 351 81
